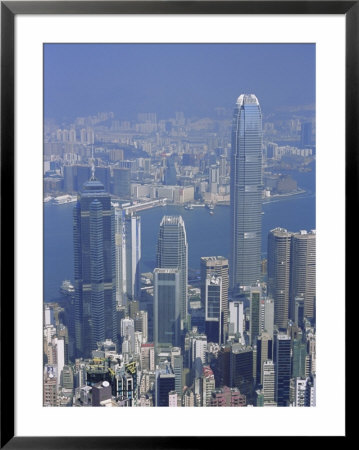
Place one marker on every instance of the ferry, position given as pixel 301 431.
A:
pixel 67 288
pixel 65 199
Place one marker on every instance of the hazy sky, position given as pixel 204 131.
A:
pixel 83 79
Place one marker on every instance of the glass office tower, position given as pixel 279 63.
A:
pixel 246 192
pixel 166 307
pixel 172 253
pixel 94 261
pixel 128 256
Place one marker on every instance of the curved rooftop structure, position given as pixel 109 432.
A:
pixel 246 99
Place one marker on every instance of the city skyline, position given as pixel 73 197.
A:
pixel 131 332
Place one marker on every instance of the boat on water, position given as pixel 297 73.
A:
pixel 189 207
pixel 67 288
pixel 211 212
pixel 48 199
pixel 65 199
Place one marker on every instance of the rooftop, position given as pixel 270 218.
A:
pixel 247 99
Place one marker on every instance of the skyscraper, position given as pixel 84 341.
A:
pixel 255 304
pixel 264 352
pixel 306 134
pixel 172 252
pixel 246 192
pixel 279 252
pixel 268 379
pixel 217 266
pixel 213 310
pixel 165 382
pixel 236 319
pixel 282 363
pixel 268 316
pixel 291 273
pixel 166 309
pixel 304 271
pixel 128 256
pixel 241 369
pixel 94 261
pixel 170 175
pixel 121 182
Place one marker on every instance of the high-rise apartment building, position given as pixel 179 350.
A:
pixel 268 381
pixel 178 371
pixel 148 357
pixel 49 387
pixel 255 313
pixel 305 392
pixel 198 348
pixel 172 253
pixel 268 316
pixel 306 134
pixel 128 335
pixel 208 385
pixel 213 179
pixel 94 261
pixel 236 319
pixel 141 324
pixel 246 192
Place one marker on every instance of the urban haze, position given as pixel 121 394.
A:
pixel 179 225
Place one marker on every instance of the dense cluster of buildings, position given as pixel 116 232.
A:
pixel 249 338
pixel 180 159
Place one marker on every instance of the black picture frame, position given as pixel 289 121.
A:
pixel 9 9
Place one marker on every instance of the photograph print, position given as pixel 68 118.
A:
pixel 179 225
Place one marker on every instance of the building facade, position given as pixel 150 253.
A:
pixel 279 258
pixel 166 311
pixel 217 266
pixel 94 271
pixel 304 271
pixel 172 253
pixel 128 256
pixel 246 192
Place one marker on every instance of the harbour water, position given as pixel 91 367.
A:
pixel 207 235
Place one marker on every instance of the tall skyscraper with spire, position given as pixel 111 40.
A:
pixel 94 264
pixel 172 253
pixel 246 192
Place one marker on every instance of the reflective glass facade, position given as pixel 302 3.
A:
pixel 128 256
pixel 166 307
pixel 172 252
pixel 94 260
pixel 246 192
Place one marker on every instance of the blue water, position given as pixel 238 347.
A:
pixel 207 235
